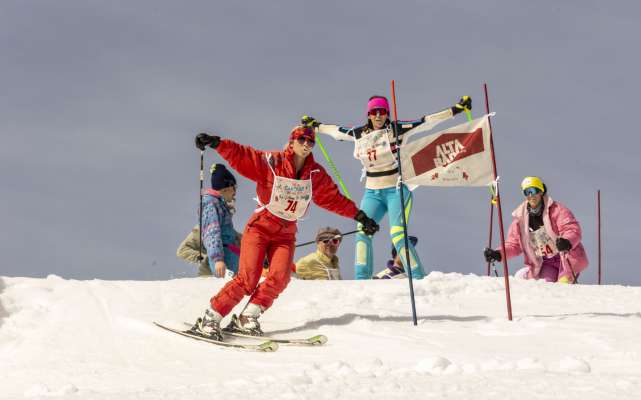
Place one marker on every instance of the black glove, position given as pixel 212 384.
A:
pixel 464 104
pixel 370 226
pixel 563 244
pixel 203 139
pixel 491 255
pixel 311 122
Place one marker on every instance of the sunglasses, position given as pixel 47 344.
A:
pixel 334 241
pixel 531 191
pixel 302 140
pixel 379 111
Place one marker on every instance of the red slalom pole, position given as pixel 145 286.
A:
pixel 506 272
pixel 408 267
pixel 598 211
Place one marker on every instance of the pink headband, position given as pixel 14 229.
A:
pixel 377 102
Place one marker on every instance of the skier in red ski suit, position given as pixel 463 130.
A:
pixel 286 182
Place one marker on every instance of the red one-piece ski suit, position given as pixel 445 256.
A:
pixel 266 233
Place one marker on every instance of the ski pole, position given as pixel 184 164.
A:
pixel 332 167
pixel 334 237
pixel 493 264
pixel 406 243
pixel 200 206
pixel 468 114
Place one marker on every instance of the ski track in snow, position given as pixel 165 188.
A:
pixel 94 339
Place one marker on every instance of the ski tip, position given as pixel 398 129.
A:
pixel 318 340
pixel 268 346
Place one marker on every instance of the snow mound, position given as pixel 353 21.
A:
pixel 572 364
pixel 70 339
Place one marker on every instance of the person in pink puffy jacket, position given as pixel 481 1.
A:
pixel 548 235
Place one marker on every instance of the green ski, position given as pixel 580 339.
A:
pixel 266 346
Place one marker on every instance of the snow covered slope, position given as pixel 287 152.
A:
pixel 94 339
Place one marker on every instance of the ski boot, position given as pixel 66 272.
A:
pixel 247 323
pixel 208 326
pixel 392 272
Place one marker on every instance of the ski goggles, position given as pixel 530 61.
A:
pixel 302 140
pixel 380 111
pixel 334 241
pixel 531 191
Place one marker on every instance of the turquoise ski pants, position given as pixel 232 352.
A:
pixel 375 203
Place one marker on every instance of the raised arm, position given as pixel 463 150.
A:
pixel 430 121
pixel 249 162
pixel 339 133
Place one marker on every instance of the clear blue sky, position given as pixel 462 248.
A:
pixel 101 101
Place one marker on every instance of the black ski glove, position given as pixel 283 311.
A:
pixel 370 226
pixel 492 255
pixel 203 139
pixel 306 120
pixel 563 244
pixel 464 104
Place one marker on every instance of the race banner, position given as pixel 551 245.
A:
pixel 458 156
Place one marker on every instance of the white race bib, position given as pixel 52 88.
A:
pixel 290 198
pixel 543 244
pixel 374 150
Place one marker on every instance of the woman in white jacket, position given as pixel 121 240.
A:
pixel 375 147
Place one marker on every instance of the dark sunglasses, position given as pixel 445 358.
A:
pixel 334 241
pixel 302 140
pixel 531 191
pixel 380 111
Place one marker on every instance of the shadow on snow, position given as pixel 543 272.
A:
pixel 346 319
